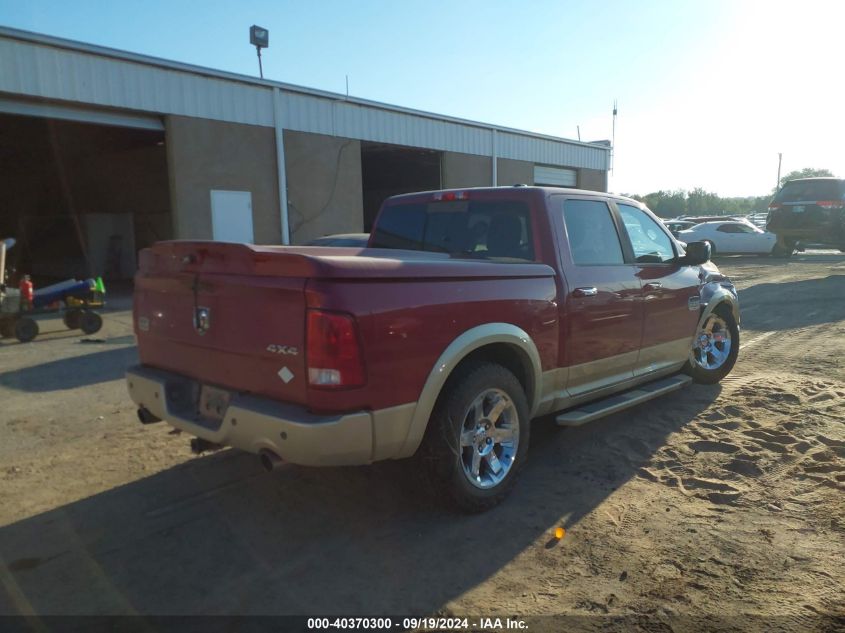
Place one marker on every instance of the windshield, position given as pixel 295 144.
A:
pixel 810 190
pixel 498 229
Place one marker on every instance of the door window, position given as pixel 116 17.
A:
pixel 737 228
pixel 593 240
pixel 744 228
pixel 649 241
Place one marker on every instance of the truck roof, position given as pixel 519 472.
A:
pixel 528 189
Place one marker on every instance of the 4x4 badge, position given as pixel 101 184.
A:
pixel 202 320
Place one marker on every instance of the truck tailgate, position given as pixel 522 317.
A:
pixel 226 315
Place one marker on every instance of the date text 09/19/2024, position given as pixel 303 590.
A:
pixel 418 624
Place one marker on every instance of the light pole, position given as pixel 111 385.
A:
pixel 260 38
pixel 780 158
pixel 613 140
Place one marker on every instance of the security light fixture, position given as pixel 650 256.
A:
pixel 259 37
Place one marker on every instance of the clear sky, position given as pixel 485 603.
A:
pixel 709 92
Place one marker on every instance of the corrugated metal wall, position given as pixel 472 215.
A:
pixel 307 113
pixel 68 72
pixel 551 152
pixel 53 73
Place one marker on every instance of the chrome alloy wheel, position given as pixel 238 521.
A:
pixel 712 345
pixel 489 438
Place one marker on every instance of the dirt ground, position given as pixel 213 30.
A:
pixel 715 502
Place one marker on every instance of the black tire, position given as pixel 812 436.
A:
pixel 90 322
pixel 26 329
pixel 7 328
pixel 446 460
pixel 72 318
pixel 709 376
pixel 785 248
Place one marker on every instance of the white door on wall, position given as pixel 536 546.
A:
pixel 231 216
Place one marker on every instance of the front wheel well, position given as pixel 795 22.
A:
pixel 729 305
pixel 725 304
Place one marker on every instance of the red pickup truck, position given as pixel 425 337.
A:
pixel 469 313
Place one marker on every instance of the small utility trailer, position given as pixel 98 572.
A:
pixel 75 299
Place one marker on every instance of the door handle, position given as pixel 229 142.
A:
pixel 654 285
pixel 585 292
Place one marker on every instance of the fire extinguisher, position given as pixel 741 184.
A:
pixel 27 293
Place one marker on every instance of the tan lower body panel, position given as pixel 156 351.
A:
pixel 601 373
pixel 658 357
pixel 600 378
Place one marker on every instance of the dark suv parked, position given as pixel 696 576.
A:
pixel 809 210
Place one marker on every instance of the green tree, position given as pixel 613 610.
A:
pixel 700 202
pixel 670 204
pixel 666 204
pixel 807 172
pixel 759 204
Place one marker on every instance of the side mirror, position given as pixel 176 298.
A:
pixel 697 253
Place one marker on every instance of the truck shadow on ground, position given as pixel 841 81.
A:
pixel 217 535
pixel 72 371
pixel 784 305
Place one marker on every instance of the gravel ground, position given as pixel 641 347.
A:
pixel 699 510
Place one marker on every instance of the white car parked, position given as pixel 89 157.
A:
pixel 730 237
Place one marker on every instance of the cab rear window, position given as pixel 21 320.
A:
pixel 476 229
pixel 810 190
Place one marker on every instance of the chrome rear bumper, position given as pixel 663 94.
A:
pixel 257 424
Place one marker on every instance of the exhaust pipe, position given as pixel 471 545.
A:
pixel 270 460
pixel 146 416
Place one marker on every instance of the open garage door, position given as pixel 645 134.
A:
pixel 81 199
pixel 388 170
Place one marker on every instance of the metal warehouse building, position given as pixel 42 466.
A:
pixel 103 152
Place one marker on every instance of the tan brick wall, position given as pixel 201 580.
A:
pixel 324 185
pixel 514 172
pixel 465 170
pixel 592 179
pixel 203 155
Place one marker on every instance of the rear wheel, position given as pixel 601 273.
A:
pixel 7 328
pixel 72 318
pixel 477 438
pixel 784 248
pixel 26 329
pixel 715 347
pixel 90 322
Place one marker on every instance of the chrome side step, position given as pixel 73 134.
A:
pixel 642 393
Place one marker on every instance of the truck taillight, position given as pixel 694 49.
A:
pixel 450 196
pixel 334 355
pixel 831 204
pixel 774 206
